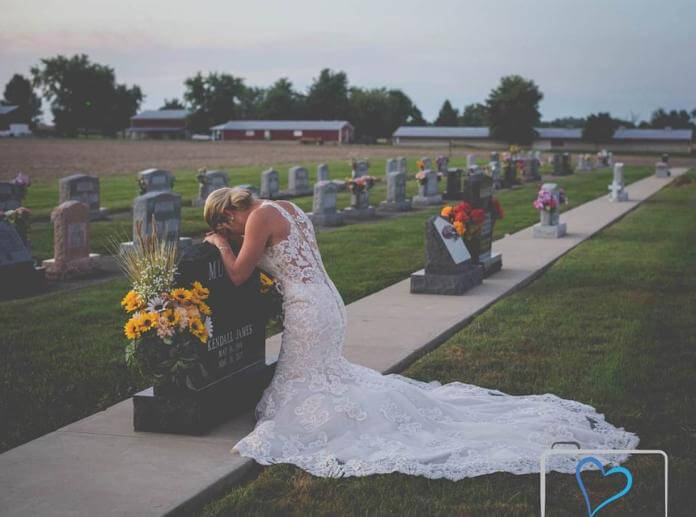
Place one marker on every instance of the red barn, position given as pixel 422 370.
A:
pixel 340 131
pixel 168 124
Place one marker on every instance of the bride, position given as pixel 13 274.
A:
pixel 335 418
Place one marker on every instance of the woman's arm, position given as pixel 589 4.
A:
pixel 256 235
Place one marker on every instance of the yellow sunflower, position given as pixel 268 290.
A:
pixel 266 282
pixel 132 328
pixel 147 321
pixel 199 291
pixel 198 329
pixel 171 317
pixel 181 295
pixel 132 301
pixel 204 308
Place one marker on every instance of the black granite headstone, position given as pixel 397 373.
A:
pixel 442 274
pixel 234 356
pixel 454 184
pixel 18 276
pixel 478 191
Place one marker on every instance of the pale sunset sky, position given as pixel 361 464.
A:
pixel 623 56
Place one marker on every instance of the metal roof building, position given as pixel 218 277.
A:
pixel 551 138
pixel 165 124
pixel 307 130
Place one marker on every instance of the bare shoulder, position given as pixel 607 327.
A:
pixel 290 207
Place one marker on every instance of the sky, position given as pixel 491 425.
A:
pixel 627 57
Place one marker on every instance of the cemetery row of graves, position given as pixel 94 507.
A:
pixel 587 330
pixel 82 348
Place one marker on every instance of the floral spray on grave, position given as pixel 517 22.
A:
pixel 167 326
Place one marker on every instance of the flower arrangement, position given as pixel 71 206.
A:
pixel 420 164
pixel 545 201
pixel 20 219
pixel 465 219
pixel 422 177
pixel 441 162
pixel 360 184
pixel 21 184
pixel 167 324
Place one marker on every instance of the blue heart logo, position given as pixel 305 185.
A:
pixel 614 470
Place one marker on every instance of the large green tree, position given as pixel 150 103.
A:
pixel 84 96
pixel 599 128
pixel 474 115
pixel 327 97
pixel 674 119
pixel 377 112
pixel 172 104
pixel 214 99
pixel 448 116
pixel 513 110
pixel 282 102
pixel 19 92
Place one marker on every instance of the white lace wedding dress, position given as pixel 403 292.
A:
pixel 334 418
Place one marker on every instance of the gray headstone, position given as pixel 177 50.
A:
pixel 662 170
pixel 442 163
pixel 324 201
pixel 210 181
pixel 396 187
pixel 155 180
pixel 12 249
pixel 403 165
pixel 83 188
pixel 430 186
pixel 616 189
pixel 270 184
pixel 427 163
pixel 166 209
pixel 392 165
pixel 298 181
pixel 322 172
pixel 360 168
pixel 9 197
pixel 471 161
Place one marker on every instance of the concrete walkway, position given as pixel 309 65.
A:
pixel 100 466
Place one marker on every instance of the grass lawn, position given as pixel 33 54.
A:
pixel 62 354
pixel 611 324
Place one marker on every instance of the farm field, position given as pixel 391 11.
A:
pixel 53 158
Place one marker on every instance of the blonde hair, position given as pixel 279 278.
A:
pixel 235 198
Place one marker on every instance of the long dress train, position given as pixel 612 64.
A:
pixel 334 418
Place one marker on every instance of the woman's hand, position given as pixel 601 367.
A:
pixel 216 240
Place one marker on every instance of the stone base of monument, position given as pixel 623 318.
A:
pixel 100 215
pixel 359 213
pixel 453 196
pixel 184 243
pixel 491 264
pixel 620 196
pixel 454 283
pixel 549 231
pixel 426 200
pixel 286 194
pixel 73 269
pixel 395 206
pixel 21 279
pixel 341 185
pixel 326 219
pixel 196 412
pixel 663 173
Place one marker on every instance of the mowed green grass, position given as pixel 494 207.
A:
pixel 62 355
pixel 611 324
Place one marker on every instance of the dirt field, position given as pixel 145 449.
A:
pixel 52 158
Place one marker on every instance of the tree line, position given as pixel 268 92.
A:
pixel 84 97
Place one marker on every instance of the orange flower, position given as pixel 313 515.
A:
pixel 460 228
pixel 447 211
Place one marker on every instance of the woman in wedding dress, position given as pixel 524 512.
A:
pixel 334 418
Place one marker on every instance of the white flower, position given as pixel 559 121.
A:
pixel 156 304
pixel 209 326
